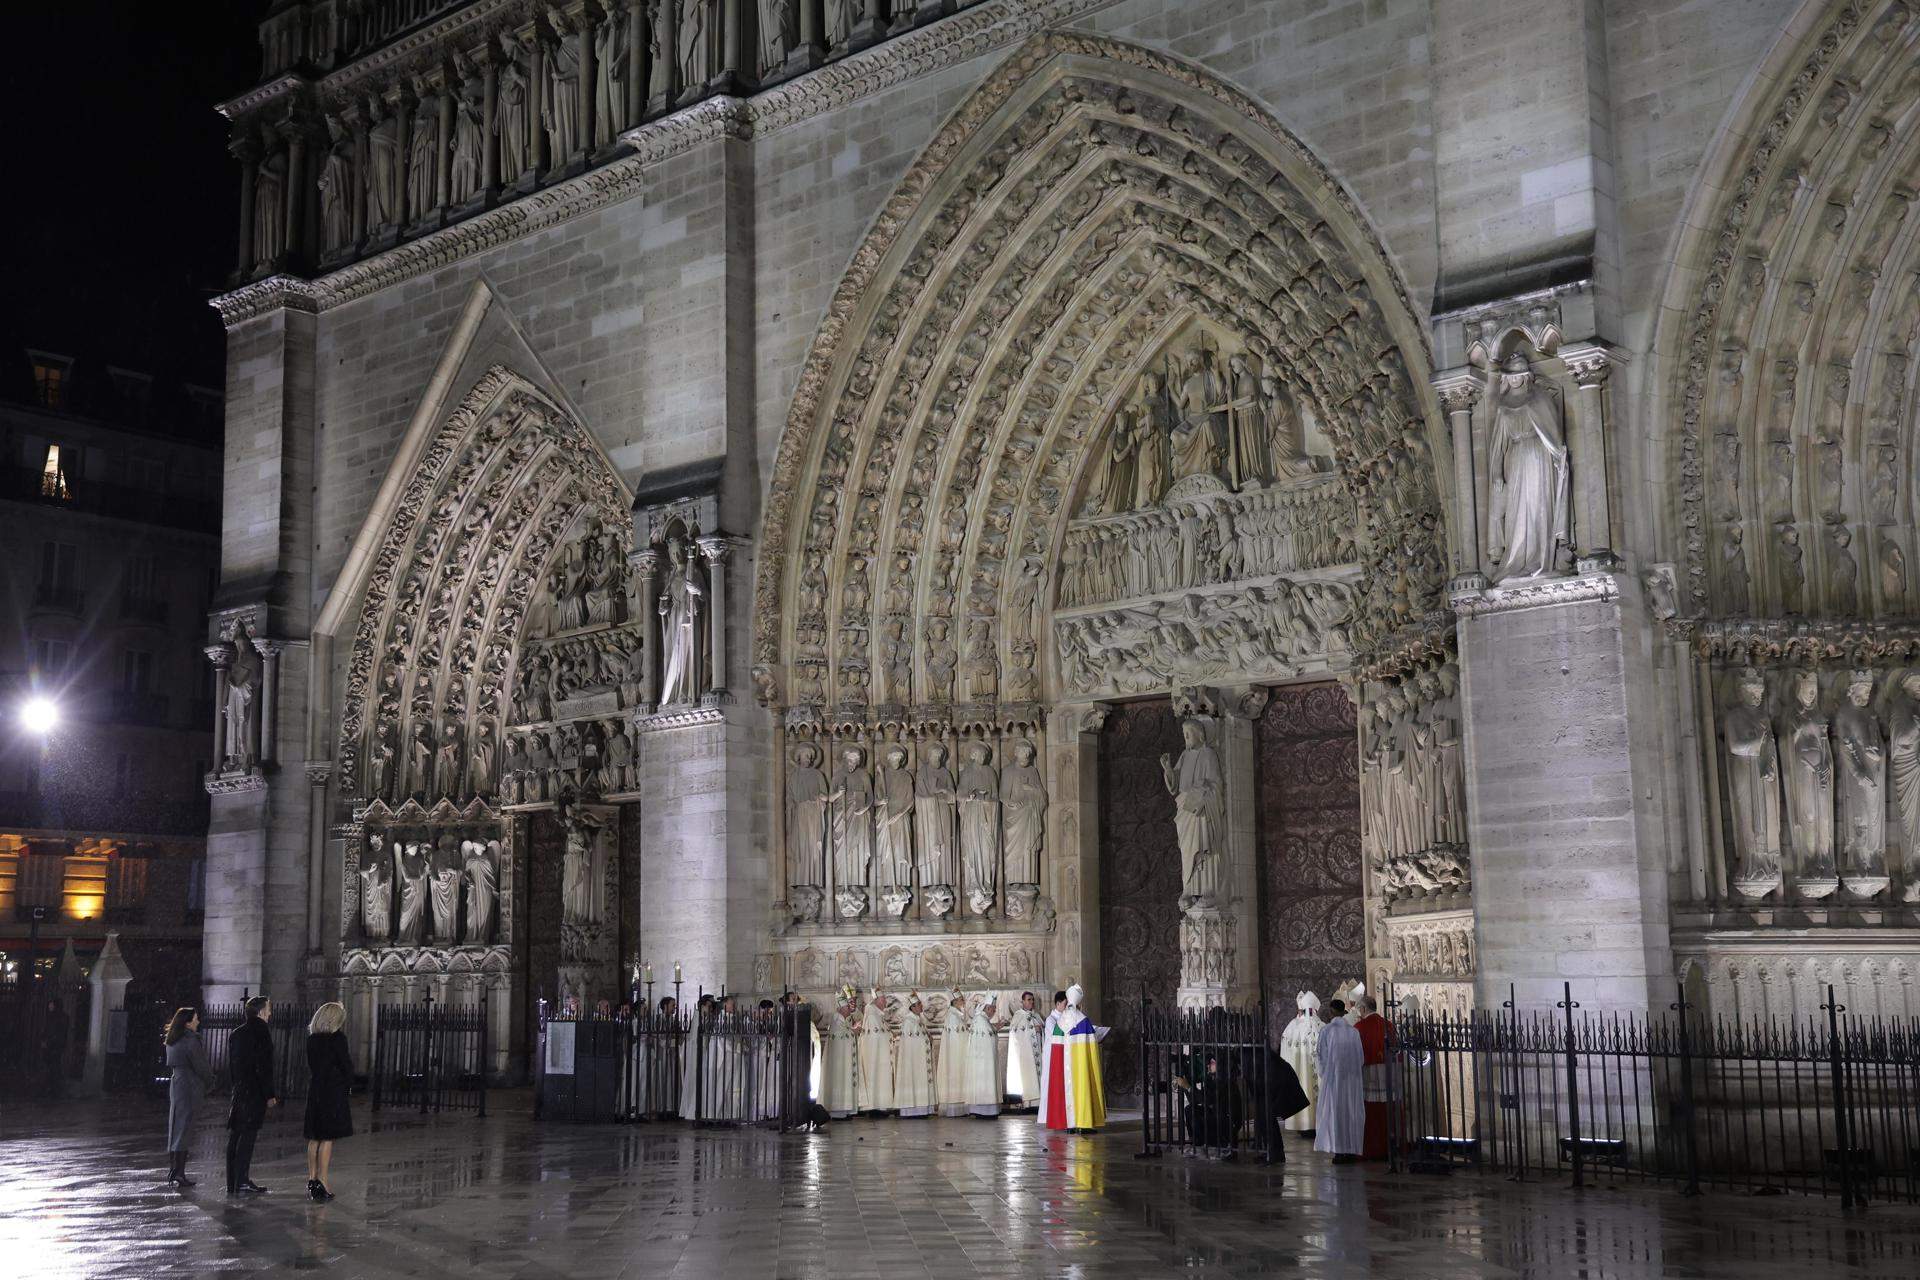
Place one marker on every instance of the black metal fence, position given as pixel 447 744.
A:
pixel 1827 1105
pixel 144 1062
pixel 430 1057
pixel 746 1068
pixel 1209 1082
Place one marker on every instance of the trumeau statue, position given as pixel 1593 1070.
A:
pixel 376 891
pixel 243 687
pixel 1527 524
pixel 1753 788
pixel 681 601
pixel 581 890
pixel 1862 775
pixel 979 798
pixel 806 831
pixel 1199 791
pixel 1806 736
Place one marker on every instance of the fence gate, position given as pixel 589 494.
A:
pixel 430 1057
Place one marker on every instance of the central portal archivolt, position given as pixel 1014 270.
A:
pixel 1094 215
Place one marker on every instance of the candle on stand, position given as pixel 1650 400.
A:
pixel 676 971
pixel 649 969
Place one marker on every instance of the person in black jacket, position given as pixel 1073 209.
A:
pixel 250 1058
pixel 329 1115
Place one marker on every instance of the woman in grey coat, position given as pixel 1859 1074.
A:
pixel 192 1078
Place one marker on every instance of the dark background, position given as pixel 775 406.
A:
pixel 125 202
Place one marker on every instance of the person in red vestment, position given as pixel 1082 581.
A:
pixel 1374 1031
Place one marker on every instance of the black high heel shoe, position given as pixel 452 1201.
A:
pixel 318 1189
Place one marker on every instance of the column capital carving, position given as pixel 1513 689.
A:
pixel 718 547
pixel 244 145
pixel 1590 366
pixel 268 648
pixel 646 563
pixel 1460 391
pixel 319 772
pixel 220 655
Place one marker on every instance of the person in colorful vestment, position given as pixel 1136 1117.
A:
pixel 1073 1097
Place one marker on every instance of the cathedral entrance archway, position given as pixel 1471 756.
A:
pixel 1117 400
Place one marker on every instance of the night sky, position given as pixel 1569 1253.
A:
pixel 125 199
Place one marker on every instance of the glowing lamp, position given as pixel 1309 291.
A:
pixel 39 715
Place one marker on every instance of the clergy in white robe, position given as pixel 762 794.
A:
pixel 985 1079
pixel 1340 1122
pixel 696 1089
pixel 950 1071
pixel 657 1061
pixel 912 1067
pixel 837 1093
pixel 1297 1045
pixel 873 1087
pixel 1024 1032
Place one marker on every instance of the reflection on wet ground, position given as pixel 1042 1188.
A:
pixel 81 1195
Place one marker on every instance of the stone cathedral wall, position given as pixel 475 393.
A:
pixel 1528 171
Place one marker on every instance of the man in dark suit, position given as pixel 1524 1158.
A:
pixel 250 1059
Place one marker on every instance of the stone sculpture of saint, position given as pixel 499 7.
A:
pixel 775 16
pixel 893 823
pixel 1286 443
pixel 1199 791
pixel 1195 439
pixel 1118 479
pixel 579 897
pixel 446 776
pixel 560 111
pixel 934 817
pixel 838 21
pixel 1807 738
pixel 422 158
pixel 696 44
pixel 445 892
pixel 1023 804
pixel 336 190
pixel 1527 529
pixel 850 819
pixel 1246 425
pixel 610 73
pixel 468 143
pixel 383 171
pixel 979 797
pixel 807 823
pixel 1862 781
pixel 411 869
pixel 376 891
pixel 1753 788
pixel 1903 768
pixel 421 753
pixel 480 773
pixel 483 889
pixel 510 117
pixel 243 685
pixel 270 208
pixel 680 608
pixel 1154 427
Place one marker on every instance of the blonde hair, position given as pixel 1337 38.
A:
pixel 329 1017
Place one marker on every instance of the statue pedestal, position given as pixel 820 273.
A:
pixel 1207 967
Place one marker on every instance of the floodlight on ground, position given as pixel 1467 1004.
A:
pixel 39 715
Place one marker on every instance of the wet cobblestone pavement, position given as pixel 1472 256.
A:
pixel 82 1194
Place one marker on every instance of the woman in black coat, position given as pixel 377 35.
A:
pixel 329 1116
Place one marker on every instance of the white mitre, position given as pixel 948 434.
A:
pixel 1307 1002
pixel 1074 995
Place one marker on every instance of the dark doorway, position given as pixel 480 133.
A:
pixel 1139 881
pixel 1307 768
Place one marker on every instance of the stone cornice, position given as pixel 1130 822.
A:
pixel 234 784
pixel 1765 641
pixel 254 99
pixel 1536 595
pixel 952 40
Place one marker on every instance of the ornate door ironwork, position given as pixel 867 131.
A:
pixel 1312 914
pixel 1139 881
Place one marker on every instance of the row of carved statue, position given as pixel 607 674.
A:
pixel 1840 593
pixel 1810 780
pixel 877 835
pixel 1192 418
pixel 1412 784
pixel 1260 630
pixel 1444 953
pixel 412 889
pixel 1216 538
pixel 548 92
pixel 588 757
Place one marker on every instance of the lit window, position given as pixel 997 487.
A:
pixel 50 382
pixel 53 477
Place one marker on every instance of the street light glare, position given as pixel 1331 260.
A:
pixel 39 715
